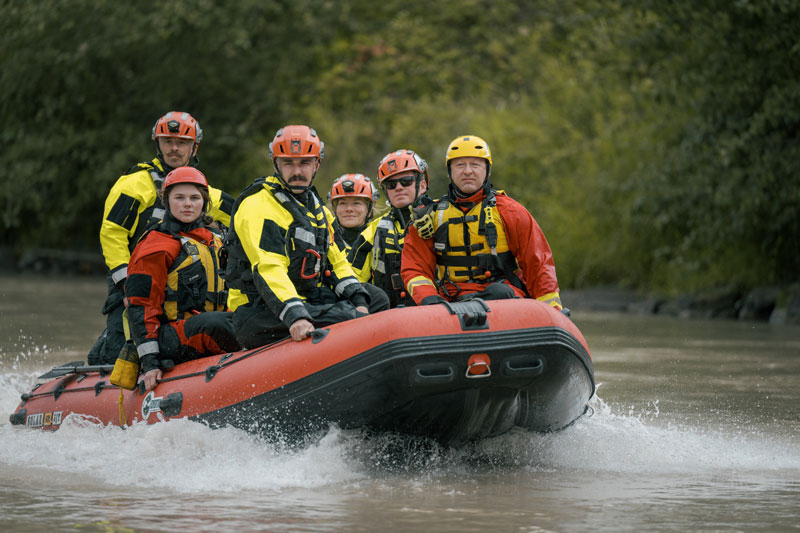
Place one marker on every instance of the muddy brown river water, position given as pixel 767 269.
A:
pixel 695 427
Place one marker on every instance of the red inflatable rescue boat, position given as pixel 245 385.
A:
pixel 454 372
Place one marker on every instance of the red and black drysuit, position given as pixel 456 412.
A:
pixel 160 278
pixel 485 245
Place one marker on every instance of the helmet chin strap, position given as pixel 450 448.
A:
pixel 194 161
pixel 297 189
pixel 160 156
pixel 164 164
pixel 461 194
pixel 294 189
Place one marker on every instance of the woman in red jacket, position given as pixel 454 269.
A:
pixel 175 296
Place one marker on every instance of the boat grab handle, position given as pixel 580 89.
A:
pixel 523 366
pixel 318 334
pixel 433 373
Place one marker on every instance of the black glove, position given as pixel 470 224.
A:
pixel 433 299
pixel 149 362
pixel 359 300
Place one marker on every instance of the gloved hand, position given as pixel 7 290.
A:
pixel 149 362
pixel 433 299
pixel 422 217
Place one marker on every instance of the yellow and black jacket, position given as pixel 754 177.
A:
pixel 281 248
pixel 375 256
pixel 346 237
pixel 133 205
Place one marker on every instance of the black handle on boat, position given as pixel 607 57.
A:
pixel 432 373
pixel 317 335
pixel 523 366
pixel 58 371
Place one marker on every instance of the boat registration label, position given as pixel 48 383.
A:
pixel 39 420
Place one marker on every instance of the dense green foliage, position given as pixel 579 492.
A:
pixel 655 142
pixel 726 198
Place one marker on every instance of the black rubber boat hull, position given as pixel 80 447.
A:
pixel 541 380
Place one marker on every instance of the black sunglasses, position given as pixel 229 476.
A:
pixel 406 181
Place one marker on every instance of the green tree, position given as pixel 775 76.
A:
pixel 653 141
pixel 723 205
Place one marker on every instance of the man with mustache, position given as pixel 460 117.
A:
pixel 133 205
pixel 285 272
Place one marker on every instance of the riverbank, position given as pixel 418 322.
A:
pixel 53 261
pixel 776 305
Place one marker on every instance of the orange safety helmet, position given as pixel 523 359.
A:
pixel 354 186
pixel 296 141
pixel 401 161
pixel 178 124
pixel 188 175
pixel 185 175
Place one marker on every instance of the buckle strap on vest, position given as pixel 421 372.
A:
pixel 501 260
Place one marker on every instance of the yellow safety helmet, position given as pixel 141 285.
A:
pixel 468 146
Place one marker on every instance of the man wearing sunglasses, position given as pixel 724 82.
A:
pixel 475 241
pixel 375 255
pixel 284 268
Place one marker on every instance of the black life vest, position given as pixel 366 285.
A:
pixel 387 248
